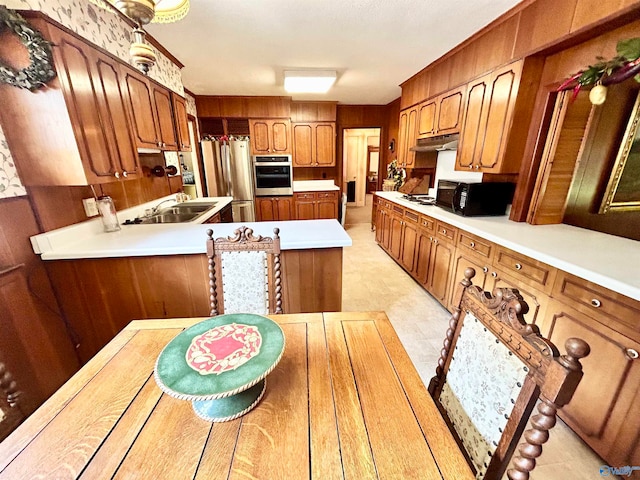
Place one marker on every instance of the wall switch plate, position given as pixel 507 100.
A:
pixel 90 207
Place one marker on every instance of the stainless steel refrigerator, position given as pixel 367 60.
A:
pixel 228 172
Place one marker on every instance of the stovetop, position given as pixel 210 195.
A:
pixel 420 199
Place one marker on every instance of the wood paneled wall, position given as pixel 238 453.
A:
pixel 34 342
pixel 243 107
pixel 57 207
pixel 557 67
pixel 532 27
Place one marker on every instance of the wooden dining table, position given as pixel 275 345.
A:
pixel 345 401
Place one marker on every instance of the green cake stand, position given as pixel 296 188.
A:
pixel 220 364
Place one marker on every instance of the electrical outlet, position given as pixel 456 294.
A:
pixel 90 207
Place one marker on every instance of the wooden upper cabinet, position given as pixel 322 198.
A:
pixel 314 144
pixel 77 130
pixel 472 136
pixel 144 120
pixel 164 112
pixel 488 128
pixel 181 122
pixel 407 134
pixel 441 115
pixel 270 136
pixel 427 118
pixel 152 112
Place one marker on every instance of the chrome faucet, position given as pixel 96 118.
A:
pixel 154 210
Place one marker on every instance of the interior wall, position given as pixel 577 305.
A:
pixel 355 161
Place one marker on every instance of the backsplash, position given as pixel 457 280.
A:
pixel 101 27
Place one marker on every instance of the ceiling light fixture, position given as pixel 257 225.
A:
pixel 309 81
pixel 143 12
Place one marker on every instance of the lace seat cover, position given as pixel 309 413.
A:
pixel 481 388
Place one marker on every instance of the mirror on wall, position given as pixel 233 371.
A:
pixel 623 189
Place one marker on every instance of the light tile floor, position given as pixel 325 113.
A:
pixel 373 281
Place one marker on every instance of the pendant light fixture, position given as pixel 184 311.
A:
pixel 143 12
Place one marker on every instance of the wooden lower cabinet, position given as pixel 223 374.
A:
pixel 316 205
pixel 605 410
pixel 274 208
pixel 101 296
pixel 440 261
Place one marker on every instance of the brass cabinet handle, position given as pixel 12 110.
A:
pixel 596 303
pixel 485 269
pixel 435 241
pixel 518 266
pixel 125 174
pixel 631 353
pixel 472 244
pixel 494 274
pixel 117 174
pixel 444 231
pixel 477 167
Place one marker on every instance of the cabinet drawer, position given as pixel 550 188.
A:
pixel 323 195
pixel 597 301
pixel 411 216
pixel 475 245
pixel 446 232
pixel 427 223
pixel 305 196
pixel 398 210
pixel 525 269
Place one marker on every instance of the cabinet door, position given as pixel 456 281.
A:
pixel 181 122
pixel 259 132
pixel 604 409
pixel 95 135
pixel 281 136
pixel 303 145
pixel 167 131
pixel 410 157
pixel 305 210
pixel 266 209
pixel 504 89
pixel 325 144
pixel 472 136
pixel 409 243
pixel 380 212
pixel 327 204
pixel 439 269
pixel 425 242
pixel 460 263
pixel 449 111
pixel 427 119
pixel 386 230
pixel 284 206
pixel 402 137
pixel 395 241
pixel 115 107
pixel 145 126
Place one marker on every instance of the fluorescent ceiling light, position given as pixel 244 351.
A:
pixel 309 81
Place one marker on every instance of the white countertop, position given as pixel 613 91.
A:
pixel 88 240
pixel 313 185
pixel 607 260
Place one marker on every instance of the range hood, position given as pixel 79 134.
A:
pixel 436 144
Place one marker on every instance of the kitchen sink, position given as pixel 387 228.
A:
pixel 186 208
pixel 170 218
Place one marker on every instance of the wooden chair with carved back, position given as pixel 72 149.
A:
pixel 493 369
pixel 244 273
pixel 10 413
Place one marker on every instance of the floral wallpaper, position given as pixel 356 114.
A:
pixel 191 105
pixel 101 27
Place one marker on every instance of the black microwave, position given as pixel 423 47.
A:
pixel 473 199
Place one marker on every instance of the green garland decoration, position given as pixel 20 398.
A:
pixel 40 70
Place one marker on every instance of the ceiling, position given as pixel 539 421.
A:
pixel 242 47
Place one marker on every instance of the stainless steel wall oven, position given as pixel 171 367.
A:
pixel 273 175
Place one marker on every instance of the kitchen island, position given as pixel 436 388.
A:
pixel 105 280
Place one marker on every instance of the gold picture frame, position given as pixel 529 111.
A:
pixel 623 189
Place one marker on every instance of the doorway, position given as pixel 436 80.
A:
pixel 361 153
